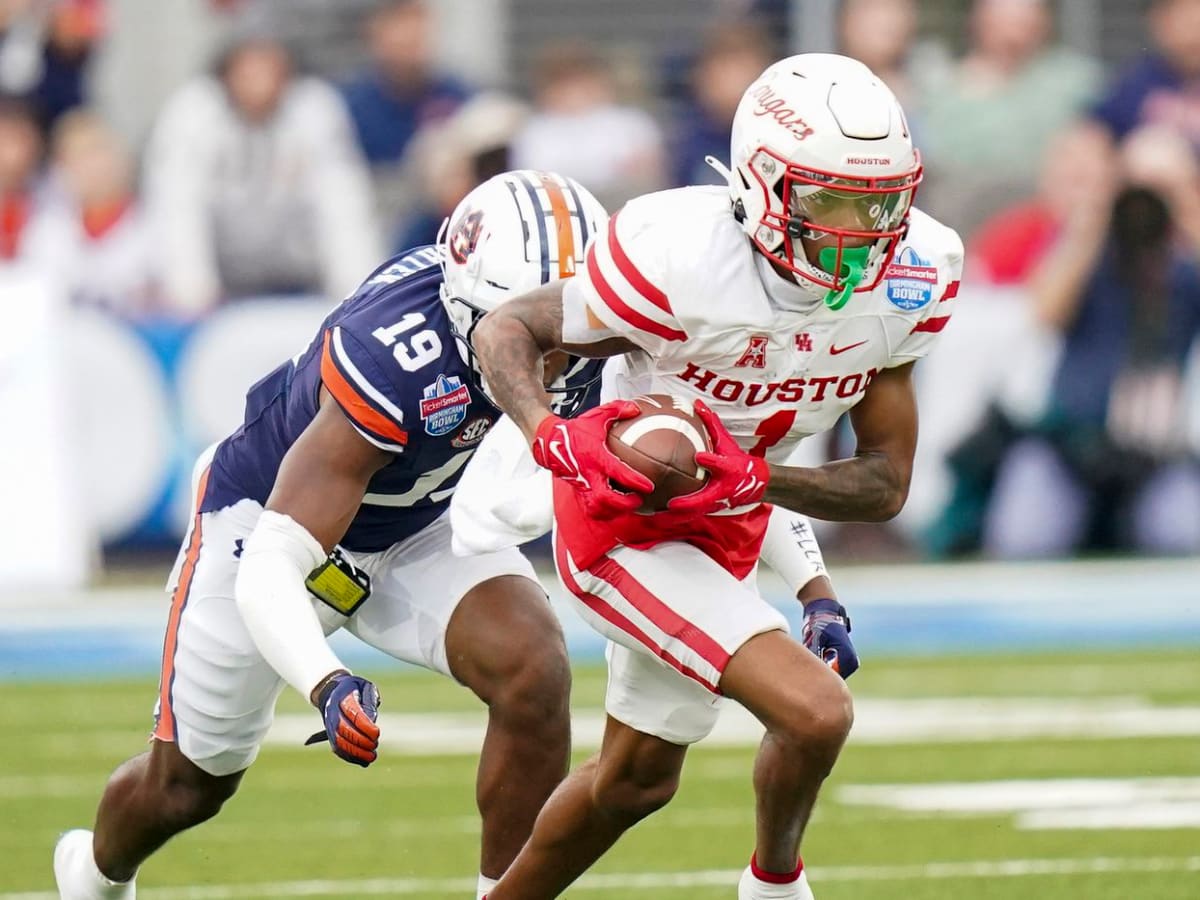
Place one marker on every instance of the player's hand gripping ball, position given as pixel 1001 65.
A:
pixel 578 451
pixel 735 478
pixel 661 442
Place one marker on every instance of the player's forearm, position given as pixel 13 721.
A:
pixel 866 488
pixel 277 608
pixel 512 362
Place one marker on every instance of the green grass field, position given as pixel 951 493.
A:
pixel 306 825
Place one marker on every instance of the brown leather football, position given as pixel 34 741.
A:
pixel 662 444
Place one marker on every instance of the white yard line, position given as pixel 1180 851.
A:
pixel 649 881
pixel 1042 804
pixel 876 721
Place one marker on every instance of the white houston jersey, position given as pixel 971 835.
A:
pixel 676 275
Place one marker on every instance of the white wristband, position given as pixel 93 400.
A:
pixel 276 606
pixel 791 549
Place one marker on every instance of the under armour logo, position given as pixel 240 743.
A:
pixel 237 548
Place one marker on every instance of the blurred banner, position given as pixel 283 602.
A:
pixel 112 414
pixel 45 526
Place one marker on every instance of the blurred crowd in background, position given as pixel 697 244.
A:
pixel 324 135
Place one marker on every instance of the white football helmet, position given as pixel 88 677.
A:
pixel 821 151
pixel 514 232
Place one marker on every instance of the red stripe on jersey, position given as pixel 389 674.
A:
pixel 951 292
pixel 933 326
pixel 664 618
pixel 605 610
pixel 630 271
pixel 352 403
pixel 614 302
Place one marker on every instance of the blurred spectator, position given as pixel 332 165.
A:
pixel 1163 87
pixel 580 130
pixel 987 124
pixel 256 184
pixel 731 58
pixel 45 48
pixel 1075 188
pixel 401 91
pixel 1108 465
pixel 30 231
pixel 115 259
pixel 881 34
pixel 454 156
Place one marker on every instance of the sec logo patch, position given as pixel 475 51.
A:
pixel 473 432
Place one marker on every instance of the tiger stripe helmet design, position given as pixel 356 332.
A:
pixel 511 234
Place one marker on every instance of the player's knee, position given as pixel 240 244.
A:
pixel 817 721
pixel 631 798
pixel 534 687
pixel 186 802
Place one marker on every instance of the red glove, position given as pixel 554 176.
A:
pixel 735 478
pixel 576 450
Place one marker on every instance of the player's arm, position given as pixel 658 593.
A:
pixel 512 342
pixel 872 485
pixel 317 492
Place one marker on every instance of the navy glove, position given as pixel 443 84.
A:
pixel 350 706
pixel 827 634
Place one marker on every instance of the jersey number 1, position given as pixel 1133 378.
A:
pixel 419 350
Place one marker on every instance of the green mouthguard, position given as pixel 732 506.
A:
pixel 854 265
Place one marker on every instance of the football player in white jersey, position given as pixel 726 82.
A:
pixel 805 290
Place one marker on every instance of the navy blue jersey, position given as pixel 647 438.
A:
pixel 388 357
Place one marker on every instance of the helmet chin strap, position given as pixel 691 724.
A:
pixel 854 266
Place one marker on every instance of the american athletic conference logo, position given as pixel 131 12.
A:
pixel 444 406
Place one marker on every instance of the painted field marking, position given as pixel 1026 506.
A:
pixel 877 721
pixel 1051 803
pixel 634 881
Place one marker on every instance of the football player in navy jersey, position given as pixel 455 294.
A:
pixel 326 509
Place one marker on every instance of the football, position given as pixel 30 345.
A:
pixel 662 444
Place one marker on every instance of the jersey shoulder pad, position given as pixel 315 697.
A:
pixel 355 369
pixel 629 279
pixel 924 278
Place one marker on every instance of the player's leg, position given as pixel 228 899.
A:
pixel 807 712
pixel 216 701
pixel 784 792
pixel 484 621
pixel 633 775
pixel 674 618
pixel 148 800
pixel 505 644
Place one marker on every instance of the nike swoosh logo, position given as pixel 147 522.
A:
pixel 834 351
pixel 556 448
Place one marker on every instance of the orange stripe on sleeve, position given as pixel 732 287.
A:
pixel 354 405
pixel 164 729
pixel 562 226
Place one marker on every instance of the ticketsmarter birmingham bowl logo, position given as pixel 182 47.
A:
pixel 444 406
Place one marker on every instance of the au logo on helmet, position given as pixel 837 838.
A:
pixel 465 236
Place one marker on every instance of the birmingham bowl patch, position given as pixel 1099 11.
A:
pixel 910 280
pixel 444 406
